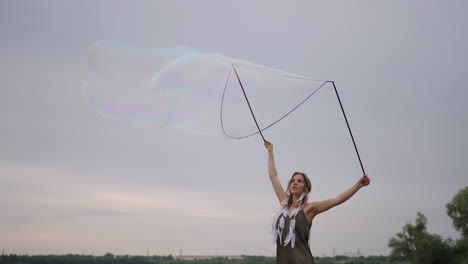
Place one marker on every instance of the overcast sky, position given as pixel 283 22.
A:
pixel 72 181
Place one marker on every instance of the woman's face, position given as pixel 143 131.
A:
pixel 297 185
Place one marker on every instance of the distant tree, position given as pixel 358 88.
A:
pixel 325 260
pixel 403 245
pixel 370 260
pixel 457 209
pixel 109 255
pixel 415 245
pixel 461 251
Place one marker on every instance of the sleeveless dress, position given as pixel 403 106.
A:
pixel 300 253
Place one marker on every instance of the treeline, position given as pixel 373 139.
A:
pixel 414 244
pixel 111 259
pixel 84 259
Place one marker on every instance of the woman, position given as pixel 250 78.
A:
pixel 292 224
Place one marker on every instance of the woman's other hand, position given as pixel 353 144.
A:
pixel 364 181
pixel 268 145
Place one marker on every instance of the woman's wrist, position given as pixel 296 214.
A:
pixel 358 185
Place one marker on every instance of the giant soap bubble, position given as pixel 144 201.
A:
pixel 181 89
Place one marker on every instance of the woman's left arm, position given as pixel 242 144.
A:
pixel 318 207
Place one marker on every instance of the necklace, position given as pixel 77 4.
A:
pixel 278 223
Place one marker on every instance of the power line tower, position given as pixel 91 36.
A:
pixel 356 254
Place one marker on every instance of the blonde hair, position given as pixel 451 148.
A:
pixel 307 187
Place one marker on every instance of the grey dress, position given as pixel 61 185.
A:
pixel 300 254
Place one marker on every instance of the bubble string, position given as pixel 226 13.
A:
pixel 284 116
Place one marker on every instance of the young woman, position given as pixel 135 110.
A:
pixel 291 225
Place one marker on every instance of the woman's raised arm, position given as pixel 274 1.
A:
pixel 318 207
pixel 274 174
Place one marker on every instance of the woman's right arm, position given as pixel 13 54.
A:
pixel 274 174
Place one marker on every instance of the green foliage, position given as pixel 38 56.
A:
pixel 369 260
pixel 460 251
pixel 108 258
pixel 432 248
pixel 415 245
pixel 457 209
pixel 404 244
